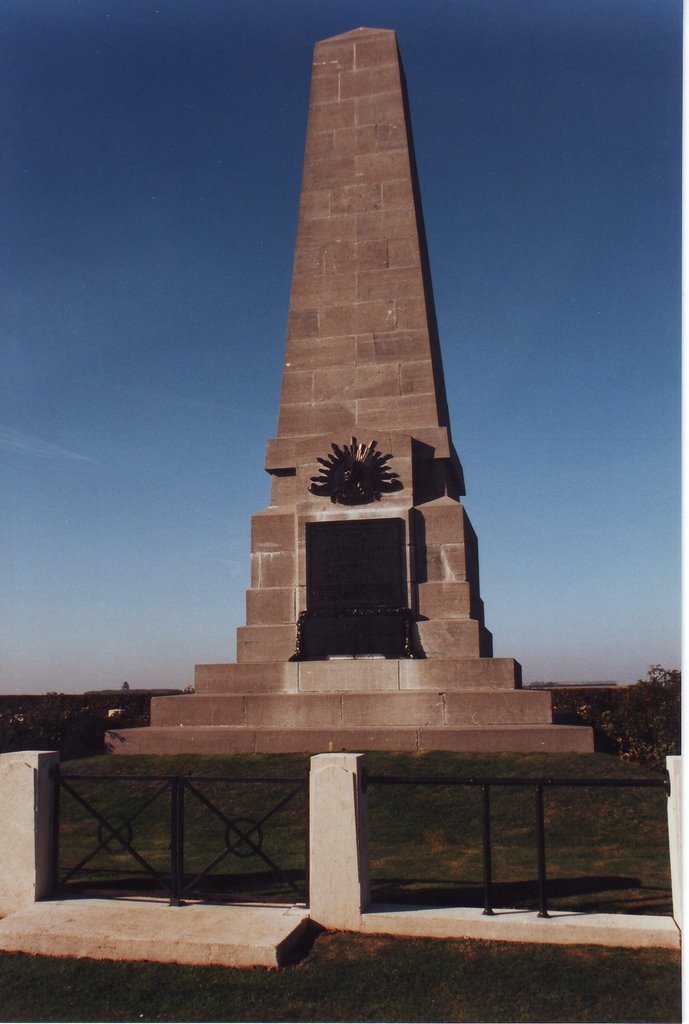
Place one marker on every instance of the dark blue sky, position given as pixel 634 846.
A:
pixel 151 172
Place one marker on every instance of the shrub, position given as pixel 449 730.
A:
pixel 639 723
pixel 74 724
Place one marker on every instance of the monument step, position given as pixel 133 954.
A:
pixel 244 740
pixel 360 674
pixel 309 710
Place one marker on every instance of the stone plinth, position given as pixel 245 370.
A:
pixel 27 827
pixel 364 620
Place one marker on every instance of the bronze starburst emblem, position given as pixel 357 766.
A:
pixel 355 474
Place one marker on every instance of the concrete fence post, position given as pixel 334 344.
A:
pixel 26 832
pixel 674 829
pixel 338 841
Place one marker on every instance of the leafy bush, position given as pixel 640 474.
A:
pixel 74 724
pixel 639 723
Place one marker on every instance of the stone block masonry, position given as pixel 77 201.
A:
pixel 365 624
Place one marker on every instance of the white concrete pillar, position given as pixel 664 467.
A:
pixel 338 842
pixel 26 805
pixel 674 828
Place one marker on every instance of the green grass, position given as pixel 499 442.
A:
pixel 606 850
pixel 358 978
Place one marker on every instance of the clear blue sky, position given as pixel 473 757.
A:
pixel 151 164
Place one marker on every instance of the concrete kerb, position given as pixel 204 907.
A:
pixel 267 936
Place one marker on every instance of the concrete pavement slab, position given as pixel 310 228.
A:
pixel 565 928
pixel 135 929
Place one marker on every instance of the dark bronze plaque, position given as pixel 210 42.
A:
pixel 355 565
pixel 385 634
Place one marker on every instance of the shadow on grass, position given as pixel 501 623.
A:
pixel 258 886
pixel 583 893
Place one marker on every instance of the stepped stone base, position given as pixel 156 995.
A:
pixel 242 740
pixel 360 674
pixel 356 704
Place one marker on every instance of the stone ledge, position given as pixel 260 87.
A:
pixel 219 739
pixel 374 708
pixel 359 674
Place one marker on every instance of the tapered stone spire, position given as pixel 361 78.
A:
pixel 364 625
pixel 362 348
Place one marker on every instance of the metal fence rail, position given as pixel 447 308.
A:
pixel 538 785
pixel 172 803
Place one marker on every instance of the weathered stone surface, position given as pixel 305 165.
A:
pixel 206 739
pixel 271 606
pixel 273 569
pixel 197 709
pixel 375 708
pixel 229 739
pixel 328 740
pixel 247 678
pixel 552 739
pixel 283 490
pixel 489 709
pixel 362 674
pixel 304 418
pixel 280 455
pixel 285 711
pixel 265 643
pixel 444 519
pixel 360 709
pixel 272 531
pixel 460 674
pixel 445 600
pixel 441 562
pixel 449 638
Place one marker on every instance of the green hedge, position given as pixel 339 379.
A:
pixel 639 723
pixel 72 723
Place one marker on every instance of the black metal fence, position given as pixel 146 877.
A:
pixel 538 785
pixel 246 838
pixel 182 836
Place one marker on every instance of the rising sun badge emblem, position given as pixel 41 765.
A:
pixel 355 475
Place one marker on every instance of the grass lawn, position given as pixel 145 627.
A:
pixel 606 849
pixel 358 978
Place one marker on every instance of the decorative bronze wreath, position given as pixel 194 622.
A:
pixel 355 475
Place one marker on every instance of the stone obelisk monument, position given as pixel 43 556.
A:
pixel 365 625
